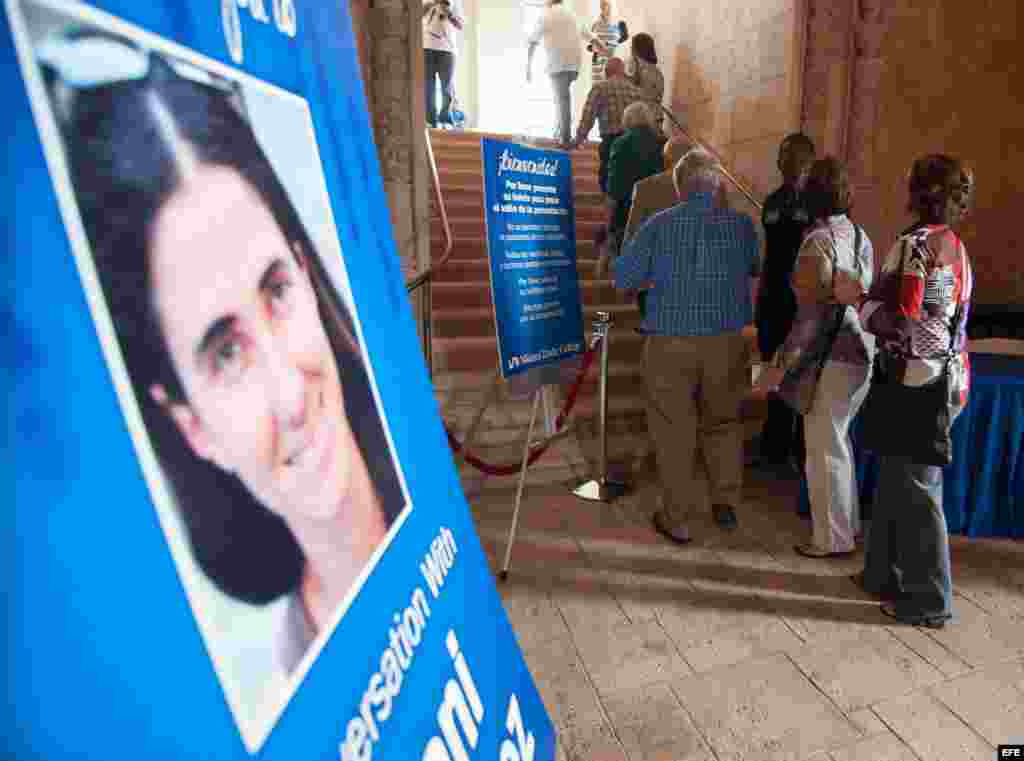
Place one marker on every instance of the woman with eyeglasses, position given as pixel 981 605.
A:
pixel 241 357
pixel 918 309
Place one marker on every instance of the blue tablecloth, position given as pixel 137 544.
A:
pixel 983 490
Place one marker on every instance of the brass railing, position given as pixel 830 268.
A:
pixel 738 184
pixel 425 279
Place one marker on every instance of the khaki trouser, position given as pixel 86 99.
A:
pixel 695 386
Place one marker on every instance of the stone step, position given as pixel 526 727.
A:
pixel 476 227
pixel 627 402
pixel 480 353
pixel 585 200
pixel 479 321
pixel 470 295
pixel 507 421
pixel 472 136
pixel 468 177
pixel 476 270
pixel 471 386
pixel 566 465
pixel 625 380
pixel 473 248
pixel 472 205
pixel 470 141
pixel 446 154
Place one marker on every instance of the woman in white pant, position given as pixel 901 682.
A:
pixel 832 243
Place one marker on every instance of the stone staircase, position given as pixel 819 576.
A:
pixel 465 346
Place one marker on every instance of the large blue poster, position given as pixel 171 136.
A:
pixel 531 244
pixel 227 539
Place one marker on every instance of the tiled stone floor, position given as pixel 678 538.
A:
pixel 734 648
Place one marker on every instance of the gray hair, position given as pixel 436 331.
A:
pixel 697 171
pixel 636 115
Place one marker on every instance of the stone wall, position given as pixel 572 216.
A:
pixel 951 82
pixel 395 70
pixel 842 75
pixel 732 70
pixel 885 83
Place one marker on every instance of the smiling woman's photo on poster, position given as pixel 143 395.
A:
pixel 241 354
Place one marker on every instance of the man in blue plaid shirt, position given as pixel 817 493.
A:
pixel 700 257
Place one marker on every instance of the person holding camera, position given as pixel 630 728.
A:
pixel 441 19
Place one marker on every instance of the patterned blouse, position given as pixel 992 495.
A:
pixel 827 245
pixel 926 281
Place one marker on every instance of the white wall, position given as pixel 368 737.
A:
pixel 490 69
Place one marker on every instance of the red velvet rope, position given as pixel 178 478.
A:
pixel 570 401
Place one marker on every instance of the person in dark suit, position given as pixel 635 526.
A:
pixel 785 220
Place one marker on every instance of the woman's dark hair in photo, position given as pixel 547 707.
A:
pixel 936 179
pixel 827 191
pixel 124 168
pixel 643 47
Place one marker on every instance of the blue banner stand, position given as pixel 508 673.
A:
pixel 531 245
pixel 211 370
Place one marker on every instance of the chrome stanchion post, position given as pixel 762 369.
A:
pixel 602 488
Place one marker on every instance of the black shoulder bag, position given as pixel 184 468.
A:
pixel 910 421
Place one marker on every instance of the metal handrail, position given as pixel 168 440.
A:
pixel 700 144
pixel 449 245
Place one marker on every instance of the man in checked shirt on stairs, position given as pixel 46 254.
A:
pixel 702 258
pixel 605 104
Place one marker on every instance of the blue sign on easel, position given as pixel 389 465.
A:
pixel 228 539
pixel 531 244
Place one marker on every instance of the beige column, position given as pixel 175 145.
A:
pixel 396 74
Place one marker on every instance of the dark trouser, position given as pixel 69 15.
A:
pixel 560 82
pixel 641 304
pixel 604 154
pixel 438 63
pixel 907 545
pixel 782 436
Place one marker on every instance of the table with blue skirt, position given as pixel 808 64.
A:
pixel 983 488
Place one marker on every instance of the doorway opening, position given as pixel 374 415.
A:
pixel 507 103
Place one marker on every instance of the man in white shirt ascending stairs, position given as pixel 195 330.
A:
pixel 562 35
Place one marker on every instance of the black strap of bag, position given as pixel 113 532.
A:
pixel 954 328
pixel 799 385
pixel 840 308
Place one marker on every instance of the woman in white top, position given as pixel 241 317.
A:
pixel 832 244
